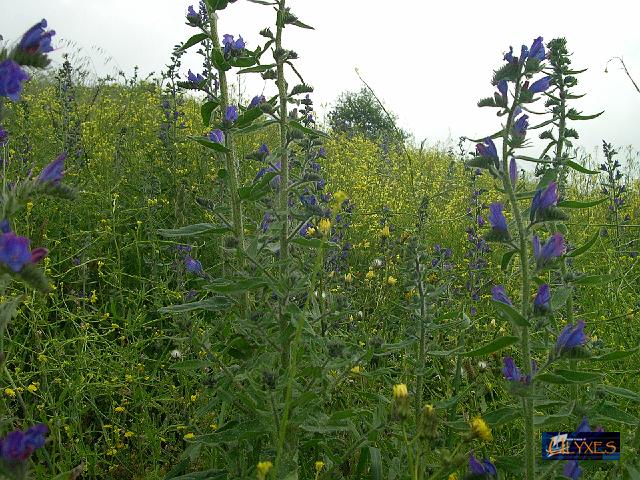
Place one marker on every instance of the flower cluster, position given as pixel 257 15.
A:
pixel 18 446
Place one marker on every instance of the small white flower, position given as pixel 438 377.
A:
pixel 176 354
pixel 377 263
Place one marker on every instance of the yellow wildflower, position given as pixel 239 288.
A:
pixel 263 469
pixel 400 391
pixel 10 392
pixel 189 436
pixel 33 388
pixel 348 278
pixel 370 275
pixel 392 280
pixel 385 232
pixel 319 465
pixel 357 369
pixel 324 226
pixel 480 429
pixel 119 409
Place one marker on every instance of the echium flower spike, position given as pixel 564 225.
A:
pixel 498 294
pixel 12 76
pixel 572 336
pixel 482 469
pixel 513 374
pixel 542 300
pixel 513 172
pixel 231 114
pixel 572 470
pixel 217 136
pixel 36 39
pixel 488 150
pixel 552 249
pixel 499 228
pixel 18 446
pixel 540 85
pixel 52 174
pixel 543 200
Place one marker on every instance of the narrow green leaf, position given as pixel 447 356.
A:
pixel 206 110
pixel 577 204
pixel 191 230
pixel 376 463
pixel 239 286
pixel 594 279
pixel 502 415
pixel 580 168
pixel 584 248
pixel 197 38
pixel 308 131
pixel 577 376
pixel 614 356
pixel 248 117
pixel 513 315
pixel 560 296
pixel 218 147
pixel 257 68
pixel 209 304
pixel 506 259
pixel 577 116
pixel 493 346
pixel 622 392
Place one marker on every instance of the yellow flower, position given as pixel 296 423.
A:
pixel 194 398
pixel 453 476
pixel 400 391
pixel 311 232
pixel 348 278
pixel 385 232
pixel 10 392
pixel 319 465
pixel 357 369
pixel 32 388
pixel 480 429
pixel 370 275
pixel 189 436
pixel 119 409
pixel 263 469
pixel 392 280
pixel 324 226
pixel 129 434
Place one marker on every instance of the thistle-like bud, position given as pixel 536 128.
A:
pixel 401 398
pixel 428 423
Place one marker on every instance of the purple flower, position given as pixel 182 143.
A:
pixel 585 427
pixel 322 153
pixel 192 16
pixel 497 220
pixel 194 80
pixel 53 173
pixel 541 303
pixel 14 251
pixel 266 221
pixel 521 125
pixel 554 248
pixel 572 470
pixel 540 85
pixel 513 374
pixel 18 446
pixel 487 149
pixel 263 150
pixel 498 294
pixel 192 265
pixel 571 336
pixel 231 114
pixel 508 57
pixel 480 221
pixel 257 101
pixel 11 78
pixel 537 49
pixel 36 39
pixel 216 136
pixel 503 88
pixel 544 199
pixel 486 468
pixel 513 171
pixel 232 46
pixel 4 136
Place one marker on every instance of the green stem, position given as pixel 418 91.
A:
pixel 293 367
pixel 230 156
pixel 421 347
pixel 524 270
pixel 283 203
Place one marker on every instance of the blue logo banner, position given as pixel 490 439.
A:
pixel 581 445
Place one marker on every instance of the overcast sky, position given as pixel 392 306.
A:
pixel 429 61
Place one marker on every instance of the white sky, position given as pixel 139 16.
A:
pixel 429 61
